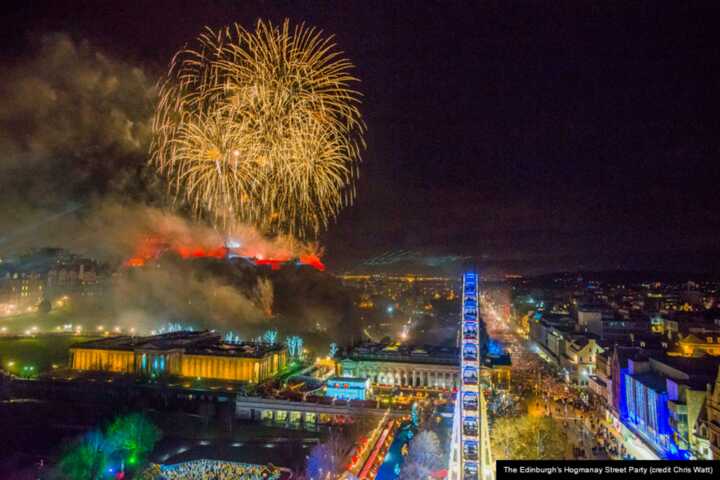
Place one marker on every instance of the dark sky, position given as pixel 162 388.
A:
pixel 534 135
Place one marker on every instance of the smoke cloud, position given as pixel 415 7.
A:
pixel 74 128
pixel 74 136
pixel 73 123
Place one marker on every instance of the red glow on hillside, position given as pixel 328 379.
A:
pixel 199 252
pixel 151 248
pixel 273 263
pixel 313 261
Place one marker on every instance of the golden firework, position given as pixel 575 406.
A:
pixel 260 127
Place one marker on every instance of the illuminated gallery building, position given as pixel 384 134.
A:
pixel 186 354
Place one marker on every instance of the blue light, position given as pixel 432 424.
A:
pixel 646 412
pixel 494 347
pixel 232 337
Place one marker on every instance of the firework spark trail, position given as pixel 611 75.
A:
pixel 261 127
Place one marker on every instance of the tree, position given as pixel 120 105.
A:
pixel 528 438
pixel 232 337
pixel 425 450
pixel 270 336
pixel 425 456
pixel 44 306
pixel 87 458
pixel 295 347
pixel 414 471
pixel 133 436
pixel 327 459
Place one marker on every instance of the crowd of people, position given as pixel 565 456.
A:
pixel 546 391
pixel 563 401
pixel 213 470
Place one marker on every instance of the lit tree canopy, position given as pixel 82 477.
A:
pixel 134 436
pixel 232 337
pixel 529 438
pixel 86 459
pixel 270 336
pixel 295 347
pixel 126 443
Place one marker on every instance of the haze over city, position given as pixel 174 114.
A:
pixel 493 130
pixel 388 240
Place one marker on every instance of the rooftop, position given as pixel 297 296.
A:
pixel 704 368
pixel 652 380
pixel 346 380
pixel 195 343
pixel 405 353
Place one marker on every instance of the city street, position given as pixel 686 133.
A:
pixel 539 392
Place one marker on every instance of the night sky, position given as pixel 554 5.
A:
pixel 533 136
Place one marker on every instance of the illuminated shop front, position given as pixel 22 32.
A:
pixel 348 388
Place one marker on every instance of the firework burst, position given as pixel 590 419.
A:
pixel 260 127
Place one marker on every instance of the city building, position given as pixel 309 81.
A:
pixel 686 402
pixel 548 331
pixel 589 315
pixel 600 383
pixel 664 399
pixel 618 325
pixel 186 354
pixel 579 358
pixel 392 364
pixel 348 388
pixel 703 325
pixel 693 345
pixel 701 445
pixel 712 422
pixel 646 398
pixel 47 274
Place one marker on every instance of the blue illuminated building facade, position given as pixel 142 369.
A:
pixel 643 407
pixel 348 388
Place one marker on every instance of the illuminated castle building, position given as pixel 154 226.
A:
pixel 186 354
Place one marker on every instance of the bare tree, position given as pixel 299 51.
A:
pixel 414 471
pixel 328 458
pixel 425 456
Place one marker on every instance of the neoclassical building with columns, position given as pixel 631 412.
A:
pixel 414 366
pixel 186 354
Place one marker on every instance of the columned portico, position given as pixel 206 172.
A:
pixel 403 374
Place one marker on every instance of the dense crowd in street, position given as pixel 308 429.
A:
pixel 541 387
pixel 214 470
